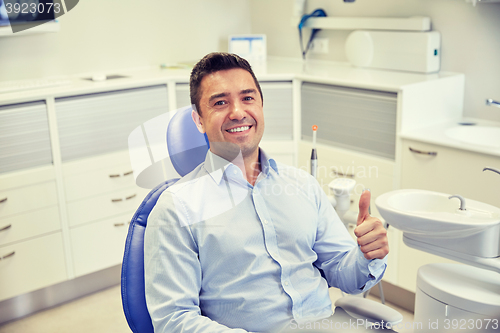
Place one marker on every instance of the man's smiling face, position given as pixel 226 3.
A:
pixel 231 111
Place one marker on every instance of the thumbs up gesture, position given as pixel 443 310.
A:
pixel 371 234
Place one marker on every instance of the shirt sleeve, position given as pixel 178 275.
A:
pixel 173 273
pixel 339 257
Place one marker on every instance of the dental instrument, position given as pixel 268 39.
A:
pixel 314 155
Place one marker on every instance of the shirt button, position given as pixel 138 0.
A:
pixel 265 222
pixel 286 283
pixel 235 172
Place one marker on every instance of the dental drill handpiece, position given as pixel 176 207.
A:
pixel 314 155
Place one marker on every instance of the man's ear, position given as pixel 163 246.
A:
pixel 197 120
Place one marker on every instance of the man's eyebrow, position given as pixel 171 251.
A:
pixel 248 91
pixel 215 96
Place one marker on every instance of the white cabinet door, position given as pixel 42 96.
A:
pixel 24 136
pixel 32 264
pixel 99 245
pixel 355 119
pixel 97 124
pixel 278 110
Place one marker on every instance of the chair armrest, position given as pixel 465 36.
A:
pixel 371 311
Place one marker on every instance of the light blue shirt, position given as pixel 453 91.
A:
pixel 221 254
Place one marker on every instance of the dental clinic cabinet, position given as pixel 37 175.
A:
pixel 67 190
pixel 448 170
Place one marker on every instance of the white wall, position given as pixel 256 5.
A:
pixel 106 35
pixel 470 37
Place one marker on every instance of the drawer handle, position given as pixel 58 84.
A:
pixel 340 174
pixel 116 175
pixel 8 255
pixel 126 198
pixel 431 153
pixel 6 227
pixel 121 224
pixel 3 200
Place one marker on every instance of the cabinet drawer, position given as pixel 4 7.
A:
pixel 28 225
pixel 101 181
pixel 451 171
pixel 27 198
pixel 99 245
pixel 105 206
pixel 36 264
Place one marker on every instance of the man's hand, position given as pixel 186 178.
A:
pixel 371 234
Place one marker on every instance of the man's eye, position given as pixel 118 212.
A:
pixel 220 103
pixel 248 98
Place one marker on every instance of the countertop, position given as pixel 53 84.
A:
pixel 436 134
pixel 275 69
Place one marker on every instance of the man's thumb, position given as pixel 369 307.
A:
pixel 364 206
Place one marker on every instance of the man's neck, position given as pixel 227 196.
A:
pixel 251 168
pixel 249 165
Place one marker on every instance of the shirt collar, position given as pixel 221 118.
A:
pixel 266 162
pixel 215 165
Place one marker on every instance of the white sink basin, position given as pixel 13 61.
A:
pixel 433 214
pixel 488 136
pixel 433 223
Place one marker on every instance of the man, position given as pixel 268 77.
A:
pixel 241 243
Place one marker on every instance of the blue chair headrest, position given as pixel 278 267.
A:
pixel 187 147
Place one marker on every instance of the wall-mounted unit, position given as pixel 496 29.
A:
pixel 415 23
pixel 474 2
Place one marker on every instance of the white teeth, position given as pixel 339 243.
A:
pixel 238 129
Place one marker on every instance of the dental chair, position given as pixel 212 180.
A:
pixel 187 148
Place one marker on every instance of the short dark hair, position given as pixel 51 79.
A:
pixel 211 63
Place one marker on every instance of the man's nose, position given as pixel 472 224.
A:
pixel 237 111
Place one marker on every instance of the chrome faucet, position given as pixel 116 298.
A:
pixel 492 169
pixel 491 102
pixel 462 201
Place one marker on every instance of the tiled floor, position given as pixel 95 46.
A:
pixel 100 312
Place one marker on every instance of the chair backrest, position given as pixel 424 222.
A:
pixel 187 149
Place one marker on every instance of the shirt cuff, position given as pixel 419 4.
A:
pixel 372 270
